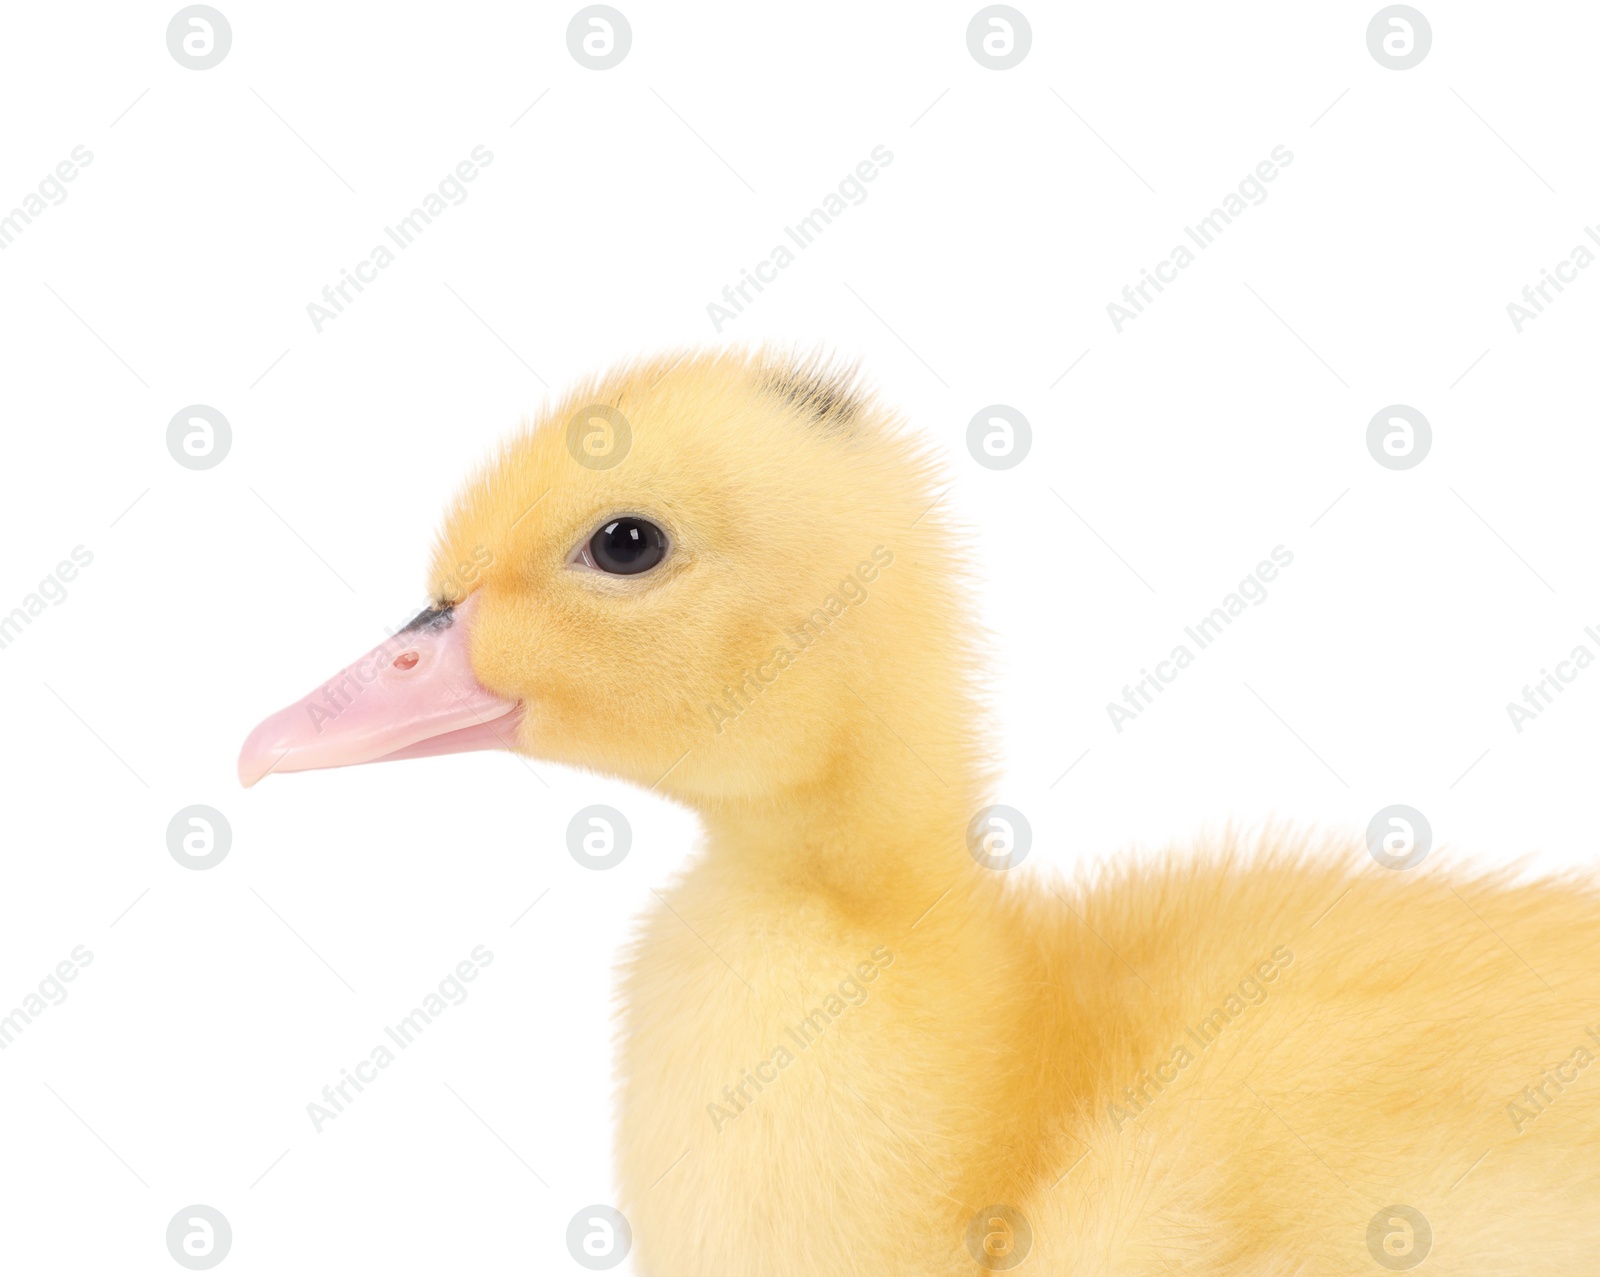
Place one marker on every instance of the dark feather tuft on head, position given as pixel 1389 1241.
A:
pixel 820 390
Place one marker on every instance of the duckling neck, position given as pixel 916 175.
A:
pixel 879 835
pixel 887 768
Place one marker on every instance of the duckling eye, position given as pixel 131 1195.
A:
pixel 625 547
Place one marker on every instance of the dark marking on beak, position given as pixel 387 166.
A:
pixel 432 618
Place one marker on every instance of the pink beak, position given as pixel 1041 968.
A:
pixel 410 697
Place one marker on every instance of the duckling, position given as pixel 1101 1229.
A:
pixel 851 1040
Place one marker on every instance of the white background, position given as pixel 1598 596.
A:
pixel 1226 420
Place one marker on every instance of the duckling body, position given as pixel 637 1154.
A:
pixel 849 1047
pixel 1231 1065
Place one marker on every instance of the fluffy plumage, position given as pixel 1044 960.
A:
pixel 843 1041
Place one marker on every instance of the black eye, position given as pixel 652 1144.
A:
pixel 626 547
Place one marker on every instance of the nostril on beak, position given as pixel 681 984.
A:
pixel 406 661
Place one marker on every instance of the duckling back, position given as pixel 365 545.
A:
pixel 1315 1064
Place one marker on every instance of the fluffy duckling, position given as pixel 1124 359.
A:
pixel 850 1042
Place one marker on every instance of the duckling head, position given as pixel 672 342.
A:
pixel 720 576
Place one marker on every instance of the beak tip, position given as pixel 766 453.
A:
pixel 263 750
pixel 250 766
